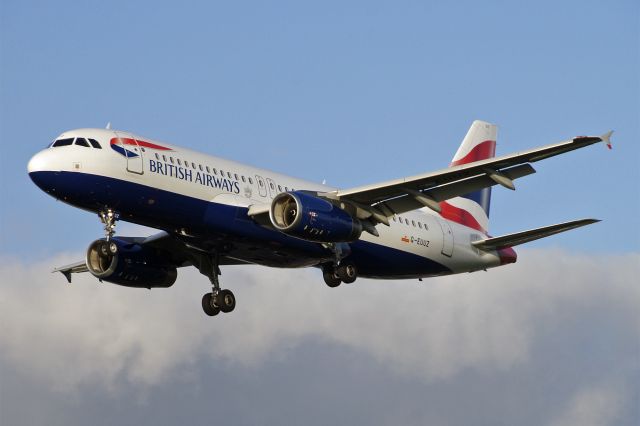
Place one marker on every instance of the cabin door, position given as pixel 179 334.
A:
pixel 447 237
pixel 132 151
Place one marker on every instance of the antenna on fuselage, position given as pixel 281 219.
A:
pixel 108 127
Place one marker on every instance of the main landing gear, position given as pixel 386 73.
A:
pixel 219 300
pixel 346 272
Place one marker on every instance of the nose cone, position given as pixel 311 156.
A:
pixel 37 163
pixel 40 172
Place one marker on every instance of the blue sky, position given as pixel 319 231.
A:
pixel 354 93
pixel 350 92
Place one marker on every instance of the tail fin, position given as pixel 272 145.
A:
pixel 472 209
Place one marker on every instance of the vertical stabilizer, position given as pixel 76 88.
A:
pixel 472 209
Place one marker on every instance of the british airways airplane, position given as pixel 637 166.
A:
pixel 215 212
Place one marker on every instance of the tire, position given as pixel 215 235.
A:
pixel 207 305
pixel 226 301
pixel 330 278
pixel 347 273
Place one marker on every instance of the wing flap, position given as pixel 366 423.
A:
pixel 410 202
pixel 511 240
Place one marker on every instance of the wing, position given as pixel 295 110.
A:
pixel 380 201
pixel 179 250
pixel 73 268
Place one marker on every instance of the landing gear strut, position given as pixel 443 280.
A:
pixel 346 272
pixel 107 249
pixel 219 300
pixel 108 217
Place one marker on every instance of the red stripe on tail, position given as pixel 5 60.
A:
pixel 458 215
pixel 482 151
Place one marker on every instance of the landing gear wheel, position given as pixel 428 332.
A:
pixel 208 307
pixel 226 301
pixel 330 277
pixel 347 272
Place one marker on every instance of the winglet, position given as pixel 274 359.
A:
pixel 606 138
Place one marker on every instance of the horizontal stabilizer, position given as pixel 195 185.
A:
pixel 511 240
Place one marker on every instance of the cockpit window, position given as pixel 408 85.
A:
pixel 82 142
pixel 94 143
pixel 62 142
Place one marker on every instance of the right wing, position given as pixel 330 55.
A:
pixel 379 202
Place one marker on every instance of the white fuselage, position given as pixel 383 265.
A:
pixel 153 167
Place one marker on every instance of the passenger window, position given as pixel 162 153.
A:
pixel 272 185
pixel 82 142
pixel 221 172
pixel 279 188
pixel 243 179
pixel 413 222
pixel 215 172
pixel 164 158
pixel 63 142
pixel 143 150
pixel 171 158
pixel 286 189
pixel 229 175
pixel 194 166
pixel 179 162
pixel 94 143
pixel 157 156
pixel 200 167
pixel 406 221
pixel 261 183
pixel 186 164
pixel 393 218
pixel 419 225
pixel 251 181
pixel 208 170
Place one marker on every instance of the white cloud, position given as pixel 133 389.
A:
pixel 594 406
pixel 101 334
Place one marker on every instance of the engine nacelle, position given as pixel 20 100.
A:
pixel 129 264
pixel 312 218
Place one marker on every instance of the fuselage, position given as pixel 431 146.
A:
pixel 205 197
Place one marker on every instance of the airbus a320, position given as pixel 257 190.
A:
pixel 214 212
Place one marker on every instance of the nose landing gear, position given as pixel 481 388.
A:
pixel 108 217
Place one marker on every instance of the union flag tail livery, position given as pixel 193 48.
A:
pixel 472 209
pixel 214 212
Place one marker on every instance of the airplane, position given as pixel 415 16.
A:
pixel 213 212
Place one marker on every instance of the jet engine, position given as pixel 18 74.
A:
pixel 311 218
pixel 129 264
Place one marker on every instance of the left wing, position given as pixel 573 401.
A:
pixel 73 268
pixel 181 250
pixel 381 201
